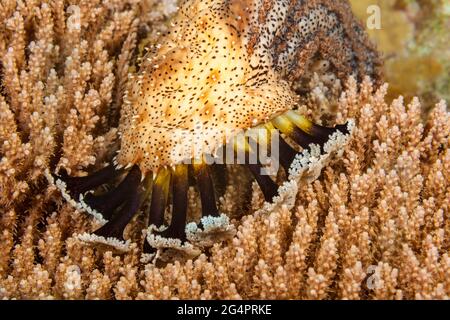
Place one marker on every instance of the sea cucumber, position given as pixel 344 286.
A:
pixel 224 69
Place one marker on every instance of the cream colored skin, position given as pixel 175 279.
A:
pixel 223 69
pixel 200 86
pixel 218 72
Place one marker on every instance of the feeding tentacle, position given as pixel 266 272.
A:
pixel 111 233
pixel 206 189
pixel 180 187
pixel 213 226
pixel 170 241
pixel 108 202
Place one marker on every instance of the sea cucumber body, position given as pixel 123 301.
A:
pixel 226 66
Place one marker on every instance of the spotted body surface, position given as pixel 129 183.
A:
pixel 227 66
pixel 223 68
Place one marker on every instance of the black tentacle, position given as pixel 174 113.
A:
pixel 180 186
pixel 115 227
pixel 206 189
pixel 79 185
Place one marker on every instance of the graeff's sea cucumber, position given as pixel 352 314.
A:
pixel 223 68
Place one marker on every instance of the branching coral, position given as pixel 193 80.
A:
pixel 375 224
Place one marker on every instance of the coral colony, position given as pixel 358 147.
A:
pixel 213 150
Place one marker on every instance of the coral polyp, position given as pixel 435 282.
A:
pixel 224 70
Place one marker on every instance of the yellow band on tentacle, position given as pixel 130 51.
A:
pixel 240 143
pixel 180 170
pixel 299 120
pixel 198 163
pixel 162 180
pixel 283 124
